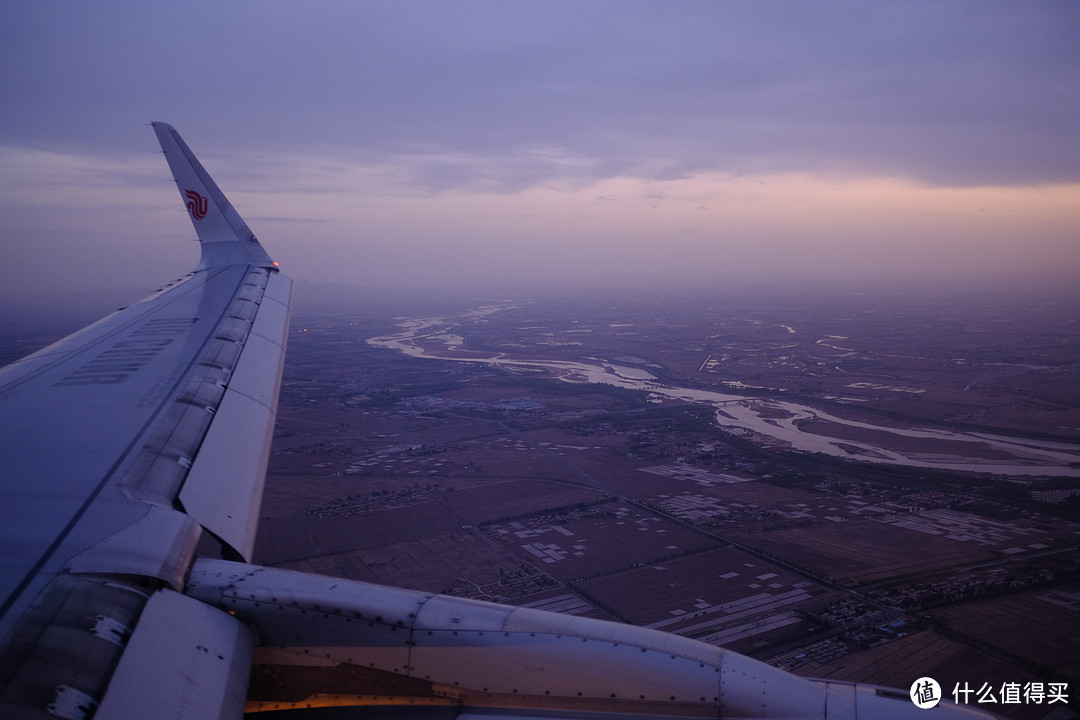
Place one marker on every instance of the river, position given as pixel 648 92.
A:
pixel 771 421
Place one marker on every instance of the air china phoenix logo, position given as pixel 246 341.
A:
pixel 196 204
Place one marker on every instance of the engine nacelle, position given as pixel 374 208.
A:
pixel 325 641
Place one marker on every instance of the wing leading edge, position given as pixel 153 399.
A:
pixel 127 445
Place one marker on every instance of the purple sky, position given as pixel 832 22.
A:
pixel 547 143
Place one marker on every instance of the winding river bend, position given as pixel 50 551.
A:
pixel 775 422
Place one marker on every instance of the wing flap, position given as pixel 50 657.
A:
pixel 158 545
pixel 185 659
pixel 223 489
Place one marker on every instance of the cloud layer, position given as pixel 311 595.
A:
pixel 779 137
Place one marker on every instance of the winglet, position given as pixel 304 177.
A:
pixel 224 236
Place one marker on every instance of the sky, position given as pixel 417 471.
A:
pixel 548 144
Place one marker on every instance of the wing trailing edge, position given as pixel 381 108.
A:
pixel 223 489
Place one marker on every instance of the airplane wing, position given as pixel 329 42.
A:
pixel 124 446
pixel 132 460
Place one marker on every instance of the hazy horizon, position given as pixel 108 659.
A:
pixel 49 315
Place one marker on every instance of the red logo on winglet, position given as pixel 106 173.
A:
pixel 196 204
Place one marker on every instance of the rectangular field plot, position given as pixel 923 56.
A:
pixel 1040 626
pixel 562 601
pixel 863 551
pixel 602 538
pixel 453 563
pixel 721 596
pixel 1008 537
pixel 704 478
pixel 299 537
pixel 512 498
pixel 341 496
pixel 421 547
pixel 925 654
pixel 755 492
